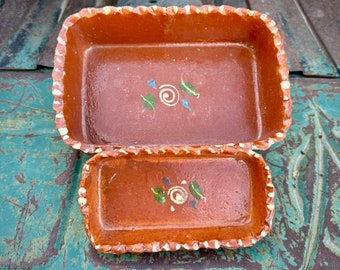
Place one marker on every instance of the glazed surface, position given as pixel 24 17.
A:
pixel 149 77
pixel 128 187
pixel 142 202
pixel 119 79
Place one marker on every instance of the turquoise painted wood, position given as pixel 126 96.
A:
pixel 42 226
pixel 35 169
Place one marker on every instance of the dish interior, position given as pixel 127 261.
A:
pixel 171 80
pixel 147 199
pixel 134 95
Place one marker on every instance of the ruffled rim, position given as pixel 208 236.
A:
pixel 170 245
pixel 58 74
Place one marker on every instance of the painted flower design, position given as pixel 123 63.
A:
pixel 169 95
pixel 178 194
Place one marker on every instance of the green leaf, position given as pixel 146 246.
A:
pixel 149 101
pixel 196 190
pixel 159 195
pixel 188 88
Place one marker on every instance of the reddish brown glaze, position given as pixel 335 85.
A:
pixel 222 74
pixel 109 61
pixel 173 100
pixel 207 201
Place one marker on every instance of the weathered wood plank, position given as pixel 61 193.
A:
pixel 325 19
pixel 233 3
pixel 268 8
pixel 8 24
pixel 311 54
pixel 22 48
pixel 70 7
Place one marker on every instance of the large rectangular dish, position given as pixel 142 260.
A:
pixel 149 203
pixel 154 76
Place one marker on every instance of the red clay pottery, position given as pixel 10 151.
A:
pixel 173 101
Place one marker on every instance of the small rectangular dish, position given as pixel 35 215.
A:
pixel 151 203
pixel 172 98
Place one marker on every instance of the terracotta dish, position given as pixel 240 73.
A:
pixel 148 203
pixel 174 101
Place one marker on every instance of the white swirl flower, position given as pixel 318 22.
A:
pixel 178 194
pixel 168 95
